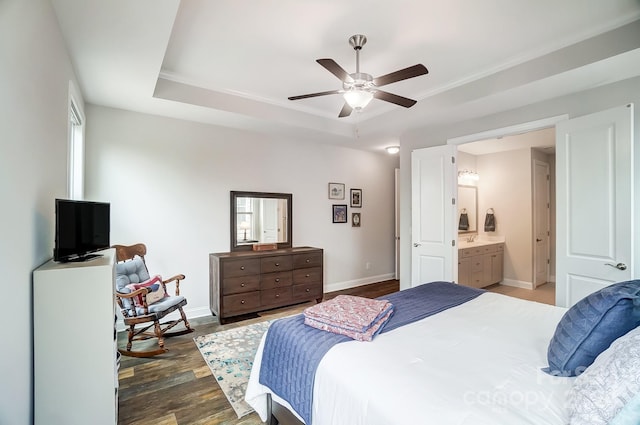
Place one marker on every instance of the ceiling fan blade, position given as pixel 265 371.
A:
pixel 335 69
pixel 403 74
pixel 346 111
pixel 322 93
pixel 394 98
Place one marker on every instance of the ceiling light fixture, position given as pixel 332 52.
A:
pixel 392 150
pixel 357 98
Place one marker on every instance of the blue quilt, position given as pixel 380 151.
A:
pixel 293 350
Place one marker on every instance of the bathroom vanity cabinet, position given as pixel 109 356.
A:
pixel 481 265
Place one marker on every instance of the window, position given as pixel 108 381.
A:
pixel 76 148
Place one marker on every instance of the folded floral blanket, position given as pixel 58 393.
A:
pixel 357 317
pixel 367 335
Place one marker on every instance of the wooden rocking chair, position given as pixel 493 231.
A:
pixel 144 300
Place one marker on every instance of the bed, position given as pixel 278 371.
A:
pixel 480 362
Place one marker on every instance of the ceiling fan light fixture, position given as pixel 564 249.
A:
pixel 358 99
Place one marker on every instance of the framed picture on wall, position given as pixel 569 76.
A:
pixel 339 213
pixel 336 190
pixel 355 219
pixel 356 198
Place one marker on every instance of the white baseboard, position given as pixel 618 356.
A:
pixel 517 283
pixel 339 286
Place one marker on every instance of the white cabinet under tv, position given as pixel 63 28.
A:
pixel 75 360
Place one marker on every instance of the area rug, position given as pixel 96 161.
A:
pixel 229 354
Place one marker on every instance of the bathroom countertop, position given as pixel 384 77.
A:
pixel 463 243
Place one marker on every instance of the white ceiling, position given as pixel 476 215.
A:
pixel 234 63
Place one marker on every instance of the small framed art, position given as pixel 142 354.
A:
pixel 355 219
pixel 339 213
pixel 356 198
pixel 336 190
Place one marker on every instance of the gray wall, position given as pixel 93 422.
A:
pixel 34 87
pixel 168 182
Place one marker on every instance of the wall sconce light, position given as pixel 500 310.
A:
pixel 392 150
pixel 468 175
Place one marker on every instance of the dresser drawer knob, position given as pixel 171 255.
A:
pixel 277 264
pixel 308 290
pixel 277 280
pixel 241 267
pixel 308 260
pixel 307 275
pixel 242 301
pixel 242 285
pixel 277 295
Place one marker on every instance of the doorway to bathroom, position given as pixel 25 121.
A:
pixel 514 180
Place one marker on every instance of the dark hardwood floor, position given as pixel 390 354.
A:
pixel 177 388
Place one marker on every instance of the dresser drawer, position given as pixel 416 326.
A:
pixel 239 303
pixel 307 291
pixel 235 285
pixel 310 275
pixel 313 259
pixel 240 267
pixel 276 296
pixel 275 280
pixel 275 264
pixel 470 252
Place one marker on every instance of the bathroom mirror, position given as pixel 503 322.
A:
pixel 260 217
pixel 467 209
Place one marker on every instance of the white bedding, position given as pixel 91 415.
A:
pixel 475 364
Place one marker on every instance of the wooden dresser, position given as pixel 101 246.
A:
pixel 247 282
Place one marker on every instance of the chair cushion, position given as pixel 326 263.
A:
pixel 127 273
pixel 591 325
pixel 161 306
pixel 132 271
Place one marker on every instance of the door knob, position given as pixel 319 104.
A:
pixel 416 244
pixel 538 240
pixel 619 266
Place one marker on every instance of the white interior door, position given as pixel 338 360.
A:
pixel 594 202
pixel 541 220
pixel 269 220
pixel 433 212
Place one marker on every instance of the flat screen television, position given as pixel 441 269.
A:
pixel 82 227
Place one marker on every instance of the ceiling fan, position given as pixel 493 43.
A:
pixel 359 88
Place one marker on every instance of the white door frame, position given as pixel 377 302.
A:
pixel 508 131
pixel 547 222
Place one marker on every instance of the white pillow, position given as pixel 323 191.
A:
pixel 605 387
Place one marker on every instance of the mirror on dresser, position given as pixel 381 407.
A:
pixel 260 217
pixel 467 209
